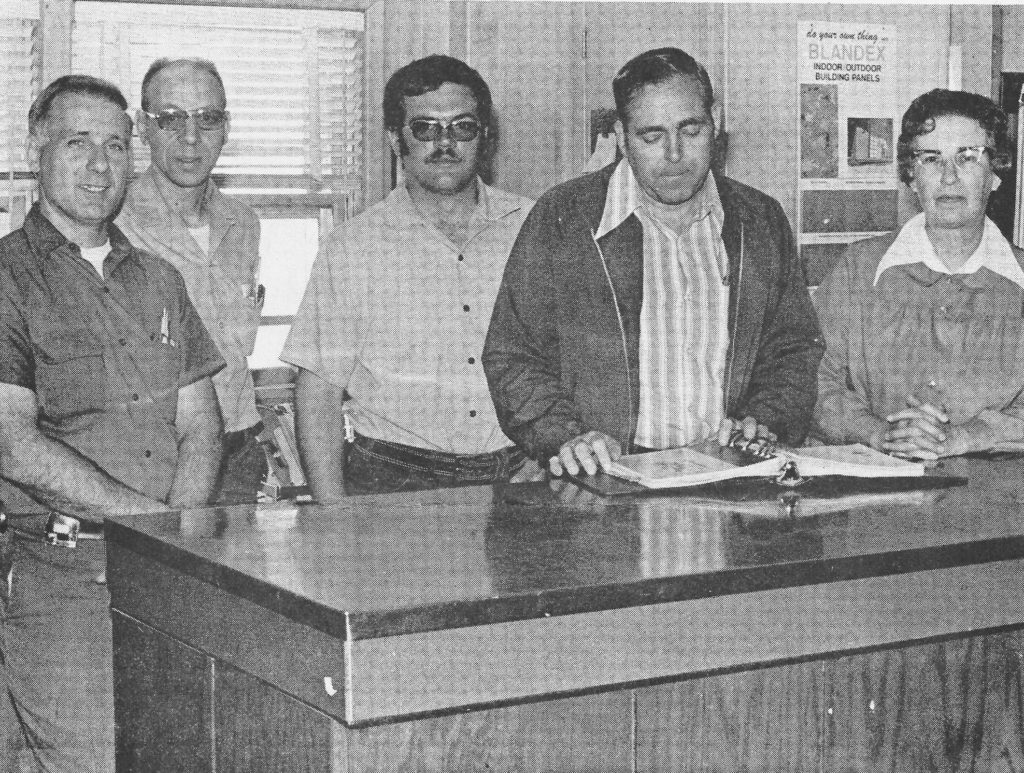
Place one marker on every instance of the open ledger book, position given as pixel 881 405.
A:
pixel 682 467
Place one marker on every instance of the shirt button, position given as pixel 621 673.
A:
pixel 465 308
pixel 148 454
pixel 135 398
pixel 472 360
pixel 124 341
pixel 462 257
pixel 472 414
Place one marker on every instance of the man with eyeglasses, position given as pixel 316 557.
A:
pixel 396 309
pixel 175 210
pixel 106 408
pixel 924 328
pixel 654 303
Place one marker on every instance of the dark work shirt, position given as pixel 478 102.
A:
pixel 105 356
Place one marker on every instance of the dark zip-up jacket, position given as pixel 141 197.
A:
pixel 562 351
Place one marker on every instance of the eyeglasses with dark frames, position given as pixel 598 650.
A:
pixel 207 119
pixel 431 130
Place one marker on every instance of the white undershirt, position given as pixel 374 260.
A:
pixel 96 255
pixel 202 237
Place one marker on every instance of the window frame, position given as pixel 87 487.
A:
pixel 284 196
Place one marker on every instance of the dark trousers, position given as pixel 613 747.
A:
pixel 379 467
pixel 243 467
pixel 55 637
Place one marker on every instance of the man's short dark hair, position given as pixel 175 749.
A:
pixel 73 84
pixel 428 74
pixel 655 67
pixel 920 120
pixel 163 63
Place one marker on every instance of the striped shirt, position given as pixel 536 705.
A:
pixel 684 331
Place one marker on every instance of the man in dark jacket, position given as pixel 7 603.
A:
pixel 652 304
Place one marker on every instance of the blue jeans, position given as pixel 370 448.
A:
pixel 243 467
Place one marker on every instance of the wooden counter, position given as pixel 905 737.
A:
pixel 532 630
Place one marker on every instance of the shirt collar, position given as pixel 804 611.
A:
pixel 912 246
pixel 49 241
pixel 624 197
pixel 149 204
pixel 491 204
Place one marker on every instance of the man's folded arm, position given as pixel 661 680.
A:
pixel 53 473
pixel 198 422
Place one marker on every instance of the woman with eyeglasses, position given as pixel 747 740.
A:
pixel 924 326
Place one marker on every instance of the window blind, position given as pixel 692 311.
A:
pixel 19 83
pixel 294 82
pixel 19 73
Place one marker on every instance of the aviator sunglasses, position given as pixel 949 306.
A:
pixel 172 119
pixel 430 130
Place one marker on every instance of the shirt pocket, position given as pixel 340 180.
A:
pixel 158 368
pixel 70 375
pixel 237 318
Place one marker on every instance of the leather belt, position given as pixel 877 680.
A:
pixel 56 528
pixel 484 468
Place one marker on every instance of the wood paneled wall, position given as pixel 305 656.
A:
pixel 616 32
pixel 551 63
pixel 397 31
pixel 531 55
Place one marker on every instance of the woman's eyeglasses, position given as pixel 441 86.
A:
pixel 963 158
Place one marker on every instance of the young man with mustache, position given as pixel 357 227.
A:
pixel 397 306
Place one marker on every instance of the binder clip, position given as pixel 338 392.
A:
pixel 789 475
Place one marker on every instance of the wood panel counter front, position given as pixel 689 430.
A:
pixel 529 629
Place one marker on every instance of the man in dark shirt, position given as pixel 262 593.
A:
pixel 106 407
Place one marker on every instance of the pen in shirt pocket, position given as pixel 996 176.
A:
pixel 254 293
pixel 165 329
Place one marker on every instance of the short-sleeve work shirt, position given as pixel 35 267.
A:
pixel 104 356
pixel 221 283
pixel 397 315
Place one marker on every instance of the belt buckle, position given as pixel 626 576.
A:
pixel 62 530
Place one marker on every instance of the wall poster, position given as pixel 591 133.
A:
pixel 849 122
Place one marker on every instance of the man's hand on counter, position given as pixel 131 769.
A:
pixel 590 452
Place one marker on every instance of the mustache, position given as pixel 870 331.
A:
pixel 442 154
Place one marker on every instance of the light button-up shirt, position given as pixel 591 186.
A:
pixel 396 314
